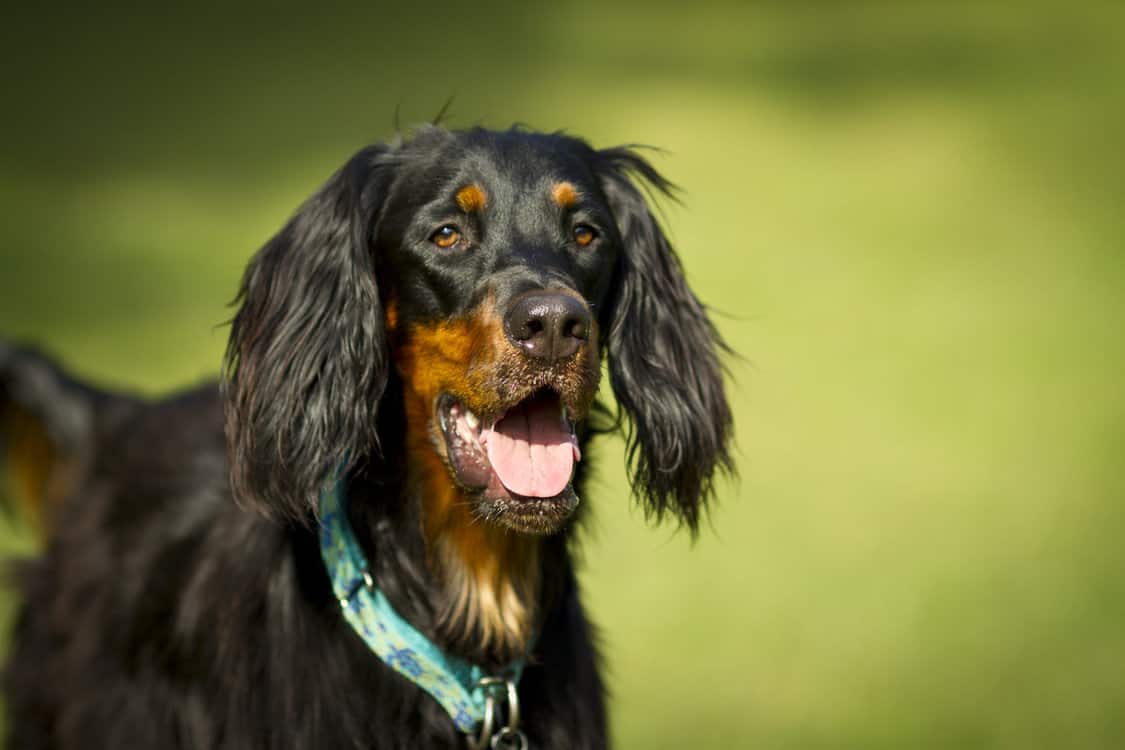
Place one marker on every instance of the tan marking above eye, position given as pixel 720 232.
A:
pixel 471 198
pixel 565 194
pixel 446 236
pixel 584 234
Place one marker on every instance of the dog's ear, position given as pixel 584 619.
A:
pixel 663 355
pixel 307 359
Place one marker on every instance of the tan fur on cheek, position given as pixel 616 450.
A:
pixel 31 461
pixel 491 575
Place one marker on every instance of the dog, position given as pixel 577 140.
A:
pixel 361 536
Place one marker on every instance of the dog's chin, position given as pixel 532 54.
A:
pixel 518 468
pixel 527 515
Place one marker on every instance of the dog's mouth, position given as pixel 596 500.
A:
pixel 521 462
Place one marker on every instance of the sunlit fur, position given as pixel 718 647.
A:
pixel 181 600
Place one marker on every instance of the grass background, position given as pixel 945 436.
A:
pixel 910 216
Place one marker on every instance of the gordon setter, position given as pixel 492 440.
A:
pixel 361 537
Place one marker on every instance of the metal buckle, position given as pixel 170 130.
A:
pixel 509 739
pixel 499 690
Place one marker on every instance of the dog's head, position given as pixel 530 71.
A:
pixel 487 275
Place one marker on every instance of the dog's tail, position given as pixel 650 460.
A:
pixel 50 425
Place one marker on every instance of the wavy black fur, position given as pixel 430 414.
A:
pixel 663 356
pixel 164 614
pixel 307 362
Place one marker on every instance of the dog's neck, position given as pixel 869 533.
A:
pixel 476 589
pixel 490 577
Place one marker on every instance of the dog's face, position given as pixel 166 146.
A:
pixel 496 253
pixel 490 272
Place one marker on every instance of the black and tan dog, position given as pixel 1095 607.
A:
pixel 429 327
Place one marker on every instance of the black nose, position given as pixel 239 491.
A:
pixel 548 325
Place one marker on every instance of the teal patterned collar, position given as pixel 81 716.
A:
pixel 453 682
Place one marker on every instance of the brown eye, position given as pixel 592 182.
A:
pixel 446 237
pixel 584 234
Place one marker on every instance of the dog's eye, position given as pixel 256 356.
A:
pixel 446 236
pixel 584 234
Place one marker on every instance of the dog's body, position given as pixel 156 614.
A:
pixel 411 330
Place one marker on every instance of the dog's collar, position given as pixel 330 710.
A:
pixel 461 688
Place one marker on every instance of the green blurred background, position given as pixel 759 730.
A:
pixel 909 215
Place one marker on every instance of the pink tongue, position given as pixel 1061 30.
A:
pixel 530 450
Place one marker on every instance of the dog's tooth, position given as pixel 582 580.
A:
pixel 471 419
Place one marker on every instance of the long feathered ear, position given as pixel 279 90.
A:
pixel 307 359
pixel 663 356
